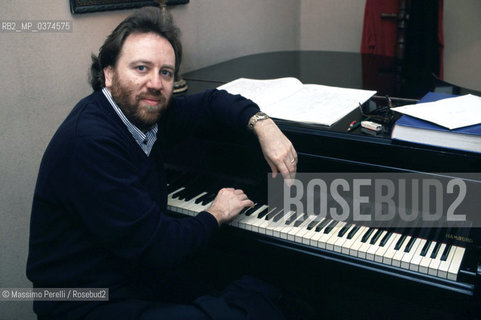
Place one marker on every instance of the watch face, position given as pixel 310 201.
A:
pixel 258 116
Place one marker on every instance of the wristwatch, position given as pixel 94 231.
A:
pixel 259 116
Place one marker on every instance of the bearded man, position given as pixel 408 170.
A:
pixel 99 209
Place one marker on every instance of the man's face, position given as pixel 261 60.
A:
pixel 142 81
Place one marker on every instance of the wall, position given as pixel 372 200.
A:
pixel 462 43
pixel 331 25
pixel 215 31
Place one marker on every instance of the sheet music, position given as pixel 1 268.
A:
pixel 451 113
pixel 289 99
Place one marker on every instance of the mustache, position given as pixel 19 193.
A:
pixel 151 94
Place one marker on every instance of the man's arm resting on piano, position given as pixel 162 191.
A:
pixel 277 149
pixel 233 111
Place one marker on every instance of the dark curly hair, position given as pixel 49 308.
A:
pixel 144 20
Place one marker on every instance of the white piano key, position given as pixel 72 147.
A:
pixel 273 228
pixel 262 227
pixel 254 224
pixel 371 252
pixel 346 248
pixel 390 252
pixel 434 265
pixel 321 241
pixel 354 249
pixel 340 242
pixel 381 251
pixel 456 263
pixel 335 235
pixel 174 203
pixel 426 260
pixel 306 239
pixel 301 234
pixel 362 252
pixel 396 259
pixel 281 230
pixel 313 241
pixel 444 265
pixel 416 259
pixel 408 256
pixel 192 208
pixel 294 233
pixel 247 222
pixel 284 232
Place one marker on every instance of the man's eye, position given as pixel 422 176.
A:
pixel 166 73
pixel 141 68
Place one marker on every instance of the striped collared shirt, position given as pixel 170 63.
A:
pixel 144 140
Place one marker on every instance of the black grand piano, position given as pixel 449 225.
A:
pixel 441 279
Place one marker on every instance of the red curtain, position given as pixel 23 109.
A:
pixel 378 34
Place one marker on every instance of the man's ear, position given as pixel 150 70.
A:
pixel 108 75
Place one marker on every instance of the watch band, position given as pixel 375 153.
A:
pixel 259 116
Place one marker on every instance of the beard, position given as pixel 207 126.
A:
pixel 139 113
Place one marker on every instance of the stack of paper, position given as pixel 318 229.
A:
pixel 442 120
pixel 290 99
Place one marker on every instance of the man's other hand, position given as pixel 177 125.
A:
pixel 228 203
pixel 277 149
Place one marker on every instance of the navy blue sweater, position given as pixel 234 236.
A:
pixel 98 216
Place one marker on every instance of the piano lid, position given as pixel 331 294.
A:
pixel 341 69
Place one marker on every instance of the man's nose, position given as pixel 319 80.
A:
pixel 155 81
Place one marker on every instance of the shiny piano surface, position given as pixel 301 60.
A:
pixel 312 255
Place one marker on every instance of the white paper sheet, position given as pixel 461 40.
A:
pixel 289 99
pixel 451 113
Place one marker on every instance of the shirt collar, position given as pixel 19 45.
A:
pixel 144 140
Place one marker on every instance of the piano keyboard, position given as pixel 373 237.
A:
pixel 383 246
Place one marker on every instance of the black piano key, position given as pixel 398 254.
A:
pixel 353 232
pixel 425 249
pixel 210 197
pixel 410 244
pixel 330 226
pixel 300 220
pixel 322 224
pixel 434 254
pixel 279 216
pixel 263 213
pixel 253 209
pixel 293 218
pixel 367 235
pixel 446 251
pixel 194 189
pixel 385 239
pixel 376 236
pixel 200 199
pixel 181 194
pixel 313 224
pixel 176 195
pixel 273 213
pixel 400 242
pixel 344 229
pixel 246 211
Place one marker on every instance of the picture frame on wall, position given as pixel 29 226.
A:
pixel 87 6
